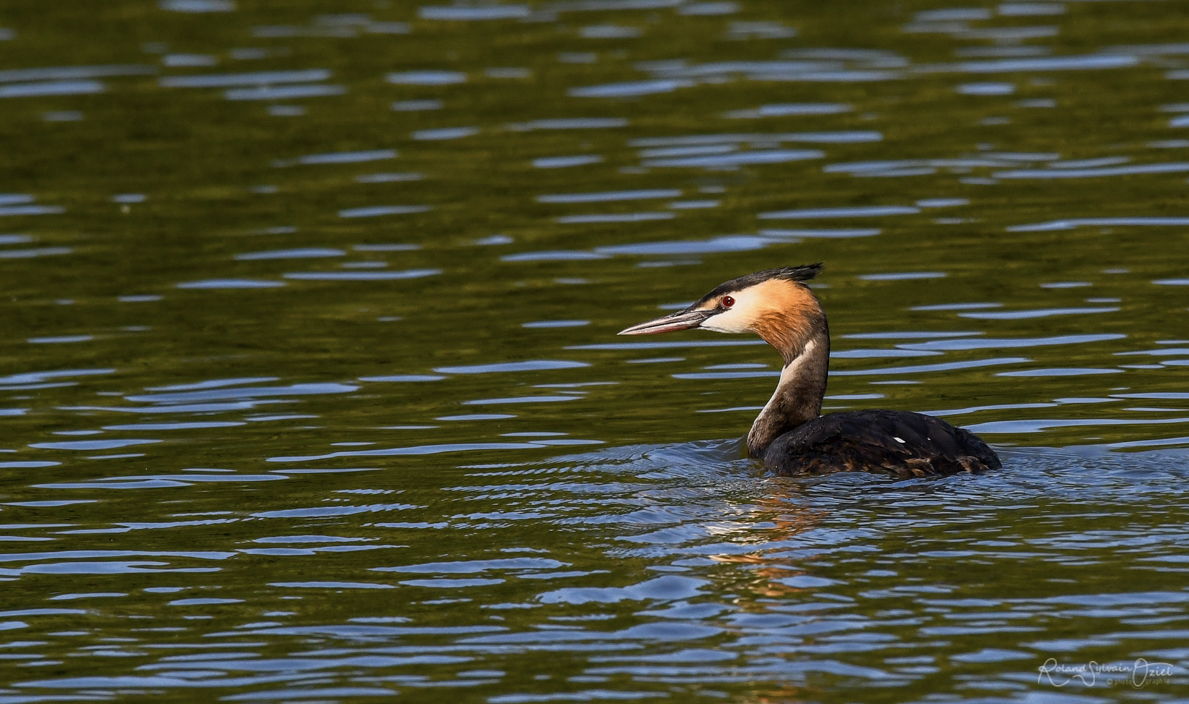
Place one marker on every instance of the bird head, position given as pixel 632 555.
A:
pixel 775 304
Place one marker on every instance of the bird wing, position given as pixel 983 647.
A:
pixel 904 444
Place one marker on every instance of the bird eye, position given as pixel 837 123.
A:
pixel 727 301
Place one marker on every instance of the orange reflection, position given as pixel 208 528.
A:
pixel 780 507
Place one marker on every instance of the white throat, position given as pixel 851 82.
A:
pixel 791 371
pixel 790 400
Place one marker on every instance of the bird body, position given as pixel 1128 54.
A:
pixel 897 442
pixel 790 435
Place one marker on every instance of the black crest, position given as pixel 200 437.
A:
pixel 805 272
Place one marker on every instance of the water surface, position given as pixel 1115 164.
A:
pixel 311 390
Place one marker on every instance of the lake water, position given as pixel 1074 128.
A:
pixel 311 389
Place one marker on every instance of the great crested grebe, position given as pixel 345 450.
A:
pixel 790 435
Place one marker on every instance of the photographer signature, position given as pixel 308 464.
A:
pixel 1059 674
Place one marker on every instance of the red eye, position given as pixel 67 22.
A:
pixel 727 301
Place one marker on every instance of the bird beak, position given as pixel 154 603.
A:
pixel 682 320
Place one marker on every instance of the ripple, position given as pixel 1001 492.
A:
pixel 379 210
pixel 733 243
pixel 613 217
pixel 194 425
pixel 667 345
pixel 540 324
pixel 942 202
pixel 994 343
pixel 415 105
pixel 565 162
pixel 197 6
pixel 570 123
pixel 912 167
pixel 552 256
pixel 209 394
pixel 162 481
pixel 785 109
pixel 1040 425
pixel 1101 222
pixel 904 276
pixel 451 583
pixel 808 68
pixel 519 399
pixel 1060 371
pixel 61 339
pixel 75 72
pixel 699 150
pixel 306 253
pixel 609 31
pixel 414 451
pixel 1094 173
pixel 15 198
pixel 283 92
pixel 214 383
pixel 427 78
pixel 609 196
pixel 769 156
pixel 343 157
pixel 1038 313
pixel 445 133
pixel 1067 284
pixel 471 14
pixel 32 380
pixel 33 210
pixel 726 375
pixel 474 566
pixel 666 588
pixel 704 9
pixel 230 283
pixel 877 354
pixel 260 78
pixel 838 233
pixel 394 247
pixel 184 408
pixel 31 464
pixel 872 211
pixel 1087 163
pixel 361 275
pixel 504 367
pixel 629 89
pixel 30 90
pixel 329 511
pixel 402 378
pixel 930 368
pixel 843 137
pixel 328 585
pixel 986 89
pixel 1089 62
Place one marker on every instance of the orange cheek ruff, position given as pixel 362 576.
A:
pixel 785 314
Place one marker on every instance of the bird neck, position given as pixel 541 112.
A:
pixel 798 395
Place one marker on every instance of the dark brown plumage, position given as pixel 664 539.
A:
pixel 898 443
pixel 790 435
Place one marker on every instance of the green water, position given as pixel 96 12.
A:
pixel 311 389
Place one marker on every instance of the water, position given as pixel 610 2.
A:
pixel 311 390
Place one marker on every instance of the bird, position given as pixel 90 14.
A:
pixel 791 436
